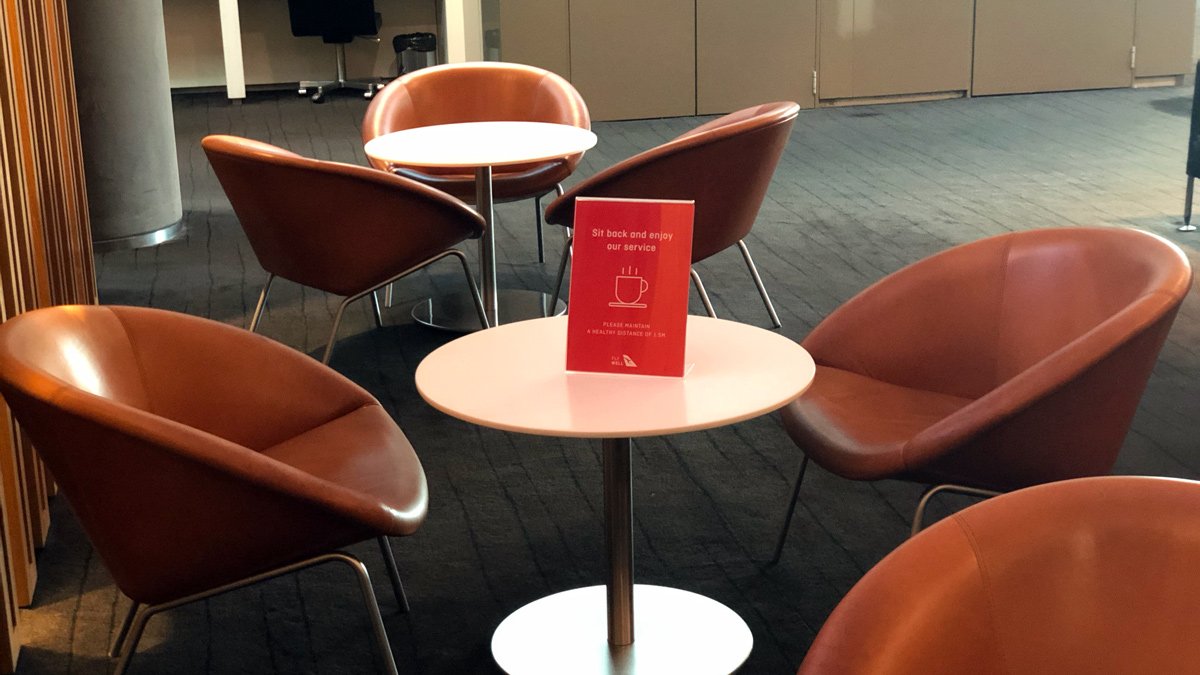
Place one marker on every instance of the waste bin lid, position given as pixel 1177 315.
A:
pixel 418 42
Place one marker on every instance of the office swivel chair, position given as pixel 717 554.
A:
pixel 336 23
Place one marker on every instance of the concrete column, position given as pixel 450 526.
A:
pixel 119 50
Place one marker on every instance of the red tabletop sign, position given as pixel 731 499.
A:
pixel 629 286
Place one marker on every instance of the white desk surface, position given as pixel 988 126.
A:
pixel 514 378
pixel 477 144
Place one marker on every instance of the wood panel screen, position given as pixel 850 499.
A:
pixel 45 255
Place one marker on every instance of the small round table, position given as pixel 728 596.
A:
pixel 514 378
pixel 482 146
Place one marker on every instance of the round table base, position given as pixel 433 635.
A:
pixel 456 312
pixel 675 631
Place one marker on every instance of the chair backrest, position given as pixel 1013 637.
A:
pixel 724 165
pixel 1095 575
pixel 151 423
pixel 335 22
pixel 336 227
pixel 1053 334
pixel 474 92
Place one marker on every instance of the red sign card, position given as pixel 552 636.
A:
pixel 629 286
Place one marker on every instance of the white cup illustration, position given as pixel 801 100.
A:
pixel 628 290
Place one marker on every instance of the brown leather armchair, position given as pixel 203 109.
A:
pixel 995 365
pixel 200 458
pixel 1094 575
pixel 481 92
pixel 367 230
pixel 725 166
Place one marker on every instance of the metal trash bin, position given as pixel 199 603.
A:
pixel 415 51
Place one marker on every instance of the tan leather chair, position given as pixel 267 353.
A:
pixel 342 229
pixel 724 165
pixel 481 92
pixel 1094 575
pixel 995 365
pixel 200 458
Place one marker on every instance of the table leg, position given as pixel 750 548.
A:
pixel 487 243
pixel 618 536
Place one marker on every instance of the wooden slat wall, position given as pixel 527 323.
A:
pixel 45 255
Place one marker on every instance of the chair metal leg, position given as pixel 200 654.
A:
pixel 762 290
pixel 478 299
pixel 119 641
pixel 337 322
pixel 562 268
pixel 703 293
pixel 381 639
pixel 144 612
pixel 375 308
pixel 389 561
pixel 387 296
pixel 787 520
pixel 134 636
pixel 919 515
pixel 262 303
pixel 1187 225
pixel 537 217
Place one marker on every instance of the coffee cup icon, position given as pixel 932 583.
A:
pixel 628 290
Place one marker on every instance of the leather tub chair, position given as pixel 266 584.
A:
pixel 999 364
pixel 200 458
pixel 481 92
pixel 1092 575
pixel 724 165
pixel 365 231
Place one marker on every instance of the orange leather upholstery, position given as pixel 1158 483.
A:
pixel 196 454
pixel 724 165
pixel 1011 361
pixel 335 227
pixel 479 92
pixel 1094 575
pixel 339 228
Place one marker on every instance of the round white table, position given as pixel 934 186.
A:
pixel 482 146
pixel 514 378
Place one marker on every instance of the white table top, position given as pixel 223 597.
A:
pixel 514 378
pixel 476 144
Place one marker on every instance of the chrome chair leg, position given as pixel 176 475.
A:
pixel 762 290
pixel 144 612
pixel 537 218
pixel 919 515
pixel 381 639
pixel 123 632
pixel 475 296
pixel 337 322
pixel 389 561
pixel 703 293
pixel 387 296
pixel 1187 225
pixel 375 308
pixel 787 519
pixel 262 303
pixel 562 268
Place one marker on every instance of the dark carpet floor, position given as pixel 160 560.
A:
pixel 859 193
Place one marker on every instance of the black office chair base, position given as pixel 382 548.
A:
pixel 320 88
pixel 317 90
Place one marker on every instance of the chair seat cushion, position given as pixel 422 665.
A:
pixel 859 427
pixel 364 451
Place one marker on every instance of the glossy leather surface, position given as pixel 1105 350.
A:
pixel 196 454
pixel 725 165
pixel 479 92
pixel 335 227
pixel 998 364
pixel 1093 575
